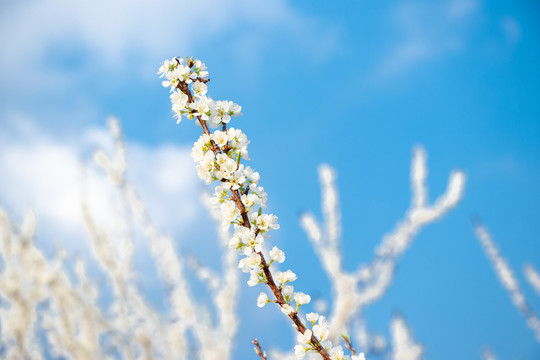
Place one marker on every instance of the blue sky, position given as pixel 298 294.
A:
pixel 353 84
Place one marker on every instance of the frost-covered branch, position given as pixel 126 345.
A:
pixel 533 277
pixel 70 320
pixel 185 313
pixel 403 345
pixel 353 291
pixel 506 276
pixel 43 313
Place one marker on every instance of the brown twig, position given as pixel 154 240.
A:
pixel 348 344
pixel 258 350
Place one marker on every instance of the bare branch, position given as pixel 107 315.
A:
pixel 258 349
pixel 348 344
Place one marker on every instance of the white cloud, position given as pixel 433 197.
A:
pixel 122 33
pixel 167 183
pixel 427 31
pixel 404 56
pixel 50 47
pixel 511 29
pixel 46 174
pixel 58 55
pixel 460 9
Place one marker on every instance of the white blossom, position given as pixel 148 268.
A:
pixel 239 141
pixel 223 110
pixel 304 338
pixel 250 262
pixel 277 255
pixel 253 176
pixel 199 88
pixel 225 167
pixel 267 222
pixel 200 69
pixel 250 200
pixel 320 331
pixel 300 351
pixel 336 353
pixel 262 299
pixel 229 211
pixel 358 357
pixel 179 101
pixel 304 344
pixel 259 191
pixel 202 107
pixel 200 148
pixel 285 277
pixel 166 66
pixel 220 137
pixel 287 290
pixel 301 298
pixel 312 317
pixel 253 277
pixel 235 242
pixel 205 168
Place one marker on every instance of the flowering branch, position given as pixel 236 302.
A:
pixel 240 198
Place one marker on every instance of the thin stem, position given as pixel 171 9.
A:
pixel 258 349
pixel 348 344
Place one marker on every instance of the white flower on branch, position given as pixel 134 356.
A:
pixel 321 330
pixel 285 277
pixel 199 88
pixel 312 317
pixel 254 278
pixel 219 159
pixel 277 255
pixel 304 344
pixel 262 299
pixel 301 298
pixel 287 291
pixel 267 222
pixel 252 261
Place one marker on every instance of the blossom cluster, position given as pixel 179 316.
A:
pixel 177 72
pixel 319 329
pixel 240 198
